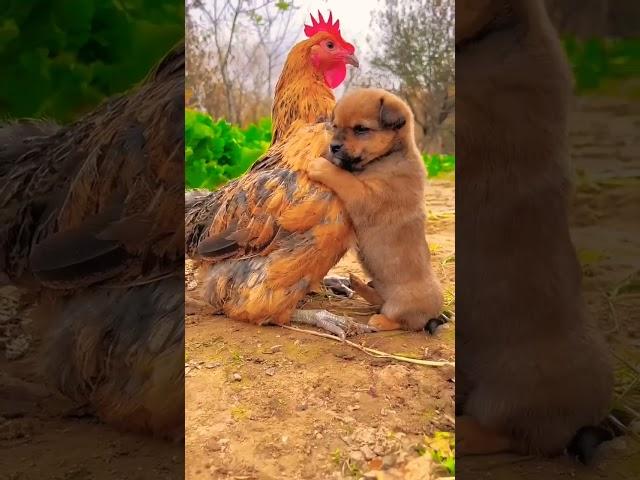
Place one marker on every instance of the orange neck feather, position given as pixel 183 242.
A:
pixel 301 92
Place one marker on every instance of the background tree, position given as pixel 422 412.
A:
pixel 413 42
pixel 235 50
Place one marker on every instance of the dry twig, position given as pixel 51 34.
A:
pixel 372 351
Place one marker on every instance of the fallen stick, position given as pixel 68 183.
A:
pixel 372 351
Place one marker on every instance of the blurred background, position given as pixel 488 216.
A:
pixel 602 44
pixel 236 50
pixel 62 58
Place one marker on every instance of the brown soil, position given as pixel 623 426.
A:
pixel 269 403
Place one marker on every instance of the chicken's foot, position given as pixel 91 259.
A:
pixel 341 326
pixel 338 285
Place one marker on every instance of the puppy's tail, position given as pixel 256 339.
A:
pixel 433 324
pixel 585 442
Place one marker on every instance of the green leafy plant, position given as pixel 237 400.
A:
pixel 597 60
pixel 438 163
pixel 217 151
pixel 61 58
pixel 442 449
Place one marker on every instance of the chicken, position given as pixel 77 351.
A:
pixel 91 225
pixel 270 236
pixel 303 91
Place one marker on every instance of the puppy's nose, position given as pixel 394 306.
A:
pixel 335 147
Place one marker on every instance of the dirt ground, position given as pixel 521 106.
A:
pixel 270 403
pixel 303 407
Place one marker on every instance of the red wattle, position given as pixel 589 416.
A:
pixel 335 75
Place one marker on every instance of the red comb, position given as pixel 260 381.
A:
pixel 328 26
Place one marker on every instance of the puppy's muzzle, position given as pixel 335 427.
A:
pixel 342 159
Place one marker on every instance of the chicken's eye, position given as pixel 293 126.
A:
pixel 359 129
pixel 330 45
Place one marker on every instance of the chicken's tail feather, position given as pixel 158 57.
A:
pixel 17 138
pixel 199 210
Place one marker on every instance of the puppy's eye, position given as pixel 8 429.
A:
pixel 330 45
pixel 359 129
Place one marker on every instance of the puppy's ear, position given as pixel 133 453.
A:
pixel 390 116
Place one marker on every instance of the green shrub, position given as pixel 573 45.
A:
pixel 438 163
pixel 217 151
pixel 597 60
pixel 61 58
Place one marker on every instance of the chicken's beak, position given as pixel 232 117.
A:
pixel 352 60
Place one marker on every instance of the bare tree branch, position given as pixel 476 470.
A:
pixel 236 48
pixel 414 43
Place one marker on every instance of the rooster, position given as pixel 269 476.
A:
pixel 269 237
pixel 90 226
pixel 312 69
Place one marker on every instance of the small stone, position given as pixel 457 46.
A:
pixel 347 419
pixel 284 439
pixel 388 461
pixel 16 347
pixel 374 475
pixel 356 456
pixel 345 355
pixel 379 450
pixel 319 436
pixel 270 371
pixel 419 468
pixel 367 452
pixel 375 464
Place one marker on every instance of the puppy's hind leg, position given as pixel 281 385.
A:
pixel 366 291
pixel 348 286
pixel 472 438
pixel 382 322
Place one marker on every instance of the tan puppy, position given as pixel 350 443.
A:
pixel 378 173
pixel 531 372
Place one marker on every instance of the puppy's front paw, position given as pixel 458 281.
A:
pixel 319 168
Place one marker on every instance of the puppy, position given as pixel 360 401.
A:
pixel 378 173
pixel 531 372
